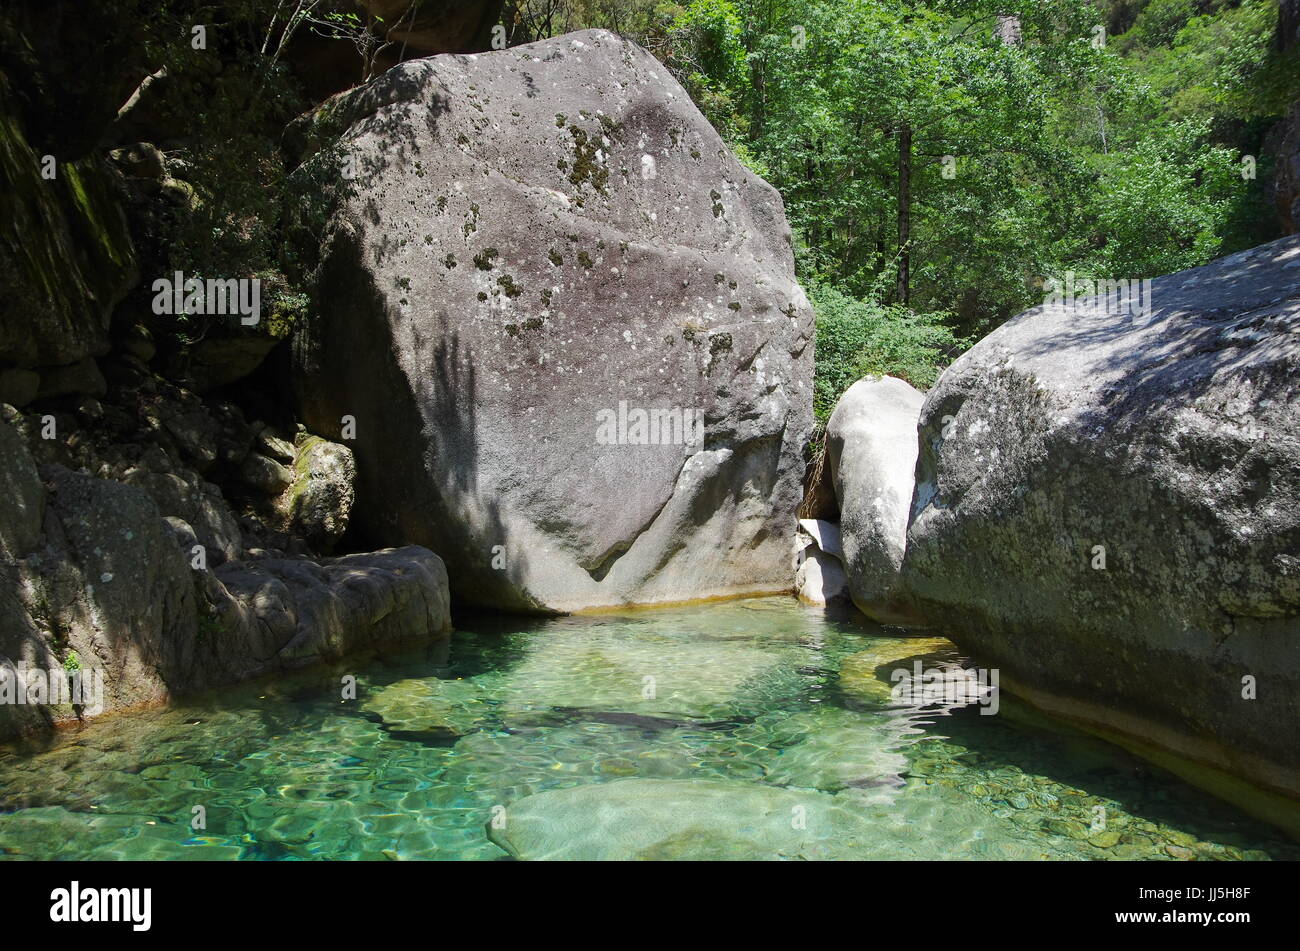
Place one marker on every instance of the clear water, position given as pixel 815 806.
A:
pixel 762 702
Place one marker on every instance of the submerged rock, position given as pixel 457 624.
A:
pixel 870 674
pixel 830 748
pixel 1108 509
pixel 871 451
pixel 655 819
pixel 564 321
pixel 429 704
pixel 602 672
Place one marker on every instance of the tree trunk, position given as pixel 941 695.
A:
pixel 1008 30
pixel 904 211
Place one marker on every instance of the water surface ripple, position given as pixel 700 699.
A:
pixel 712 727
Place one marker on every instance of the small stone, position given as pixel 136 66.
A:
pixel 90 408
pixel 141 160
pixel 269 444
pixel 265 475
pixel 320 502
pixel 1068 827
pixel 1182 853
pixel 138 343
pixel 1104 840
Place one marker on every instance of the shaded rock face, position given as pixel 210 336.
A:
pixel 448 27
pixel 326 65
pixel 94 577
pixel 105 587
pixel 20 484
pixel 1283 145
pixel 819 500
pixel 871 453
pixel 1288 23
pixel 66 257
pixel 180 493
pixel 539 241
pixel 78 66
pixel 1164 446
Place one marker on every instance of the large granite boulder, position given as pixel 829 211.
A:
pixel 1108 509
pixel 871 452
pixel 547 259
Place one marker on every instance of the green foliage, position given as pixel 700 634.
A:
pixel 1118 156
pixel 1222 66
pixel 224 110
pixel 1166 203
pixel 861 336
pixel 234 167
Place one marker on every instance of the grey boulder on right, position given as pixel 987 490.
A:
pixel 1108 509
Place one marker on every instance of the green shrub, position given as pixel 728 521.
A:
pixel 857 337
